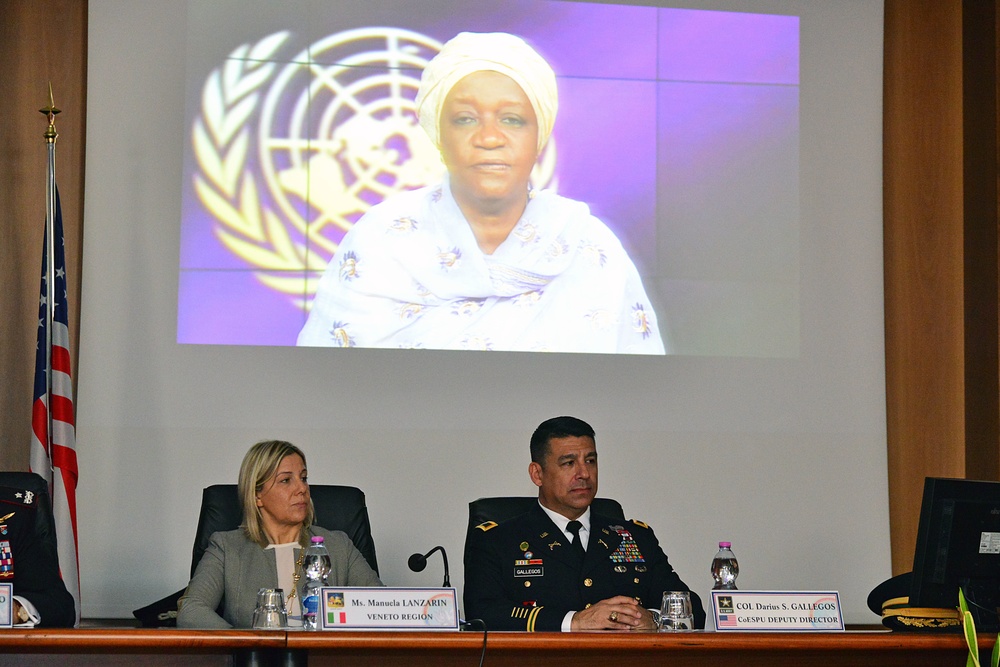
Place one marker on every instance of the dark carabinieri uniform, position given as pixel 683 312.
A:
pixel 522 575
pixel 30 564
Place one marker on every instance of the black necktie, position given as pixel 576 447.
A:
pixel 577 545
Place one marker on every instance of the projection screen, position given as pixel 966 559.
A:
pixel 732 147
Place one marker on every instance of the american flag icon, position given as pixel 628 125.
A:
pixel 727 621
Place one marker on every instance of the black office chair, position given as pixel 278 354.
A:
pixel 337 508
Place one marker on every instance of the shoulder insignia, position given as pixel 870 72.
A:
pixel 640 523
pixel 487 525
pixel 17 497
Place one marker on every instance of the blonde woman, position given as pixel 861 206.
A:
pixel 264 551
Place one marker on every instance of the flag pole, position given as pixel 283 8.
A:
pixel 53 453
pixel 50 254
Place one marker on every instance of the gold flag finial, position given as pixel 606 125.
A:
pixel 50 112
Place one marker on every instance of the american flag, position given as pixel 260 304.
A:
pixel 727 621
pixel 53 455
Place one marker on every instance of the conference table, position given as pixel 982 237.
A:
pixel 163 646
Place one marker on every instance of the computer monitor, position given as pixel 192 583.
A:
pixel 958 545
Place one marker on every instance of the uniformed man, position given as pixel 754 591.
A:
pixel 31 565
pixel 561 566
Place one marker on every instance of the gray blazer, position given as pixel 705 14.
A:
pixel 234 569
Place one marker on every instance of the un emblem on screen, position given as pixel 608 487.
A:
pixel 290 152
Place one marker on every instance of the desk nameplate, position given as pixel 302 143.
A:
pixel 785 611
pixel 6 605
pixel 361 608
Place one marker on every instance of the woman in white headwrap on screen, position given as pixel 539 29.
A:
pixel 482 261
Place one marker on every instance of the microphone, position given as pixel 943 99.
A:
pixel 418 562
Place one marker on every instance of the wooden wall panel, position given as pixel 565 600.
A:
pixel 941 251
pixel 979 125
pixel 39 42
pixel 924 270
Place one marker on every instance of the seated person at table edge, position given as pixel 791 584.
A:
pixel 32 566
pixel 530 573
pixel 266 550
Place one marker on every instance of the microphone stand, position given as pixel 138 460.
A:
pixel 418 562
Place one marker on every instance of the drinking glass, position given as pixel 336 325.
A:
pixel 675 612
pixel 270 612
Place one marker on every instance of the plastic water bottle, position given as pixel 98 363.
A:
pixel 315 568
pixel 725 569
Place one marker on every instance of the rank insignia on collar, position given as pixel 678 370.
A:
pixel 487 525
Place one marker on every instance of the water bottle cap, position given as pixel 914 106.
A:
pixel 722 545
pixel 317 539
